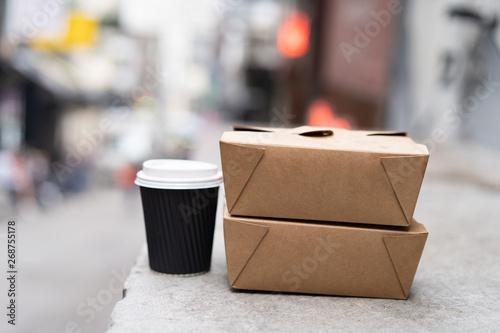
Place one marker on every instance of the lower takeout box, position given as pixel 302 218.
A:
pixel 322 258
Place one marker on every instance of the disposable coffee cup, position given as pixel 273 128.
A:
pixel 179 200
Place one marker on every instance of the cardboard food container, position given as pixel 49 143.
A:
pixel 323 174
pixel 320 258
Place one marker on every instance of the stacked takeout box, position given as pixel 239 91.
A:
pixel 322 210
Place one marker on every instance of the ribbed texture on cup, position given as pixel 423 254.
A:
pixel 179 228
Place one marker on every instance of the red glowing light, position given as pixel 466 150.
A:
pixel 293 35
pixel 321 114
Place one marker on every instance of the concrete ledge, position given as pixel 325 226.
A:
pixel 456 288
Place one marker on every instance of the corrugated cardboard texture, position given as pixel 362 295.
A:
pixel 305 173
pixel 321 258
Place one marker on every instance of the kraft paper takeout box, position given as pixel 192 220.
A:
pixel 320 258
pixel 324 174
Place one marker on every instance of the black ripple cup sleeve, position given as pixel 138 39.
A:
pixel 179 200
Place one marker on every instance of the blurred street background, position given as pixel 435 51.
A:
pixel 91 89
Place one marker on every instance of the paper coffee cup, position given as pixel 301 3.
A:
pixel 179 199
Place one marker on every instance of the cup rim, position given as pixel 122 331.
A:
pixel 189 181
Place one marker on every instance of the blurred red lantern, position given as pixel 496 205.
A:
pixel 321 114
pixel 293 35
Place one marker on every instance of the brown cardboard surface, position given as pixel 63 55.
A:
pixel 323 174
pixel 322 258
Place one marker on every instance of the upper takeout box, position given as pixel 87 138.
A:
pixel 325 174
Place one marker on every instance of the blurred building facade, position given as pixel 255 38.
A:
pixel 88 88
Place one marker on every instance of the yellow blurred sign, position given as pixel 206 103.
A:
pixel 81 32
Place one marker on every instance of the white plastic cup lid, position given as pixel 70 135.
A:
pixel 178 174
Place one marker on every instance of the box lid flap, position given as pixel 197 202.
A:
pixel 242 239
pixel 239 167
pixel 405 174
pixel 405 252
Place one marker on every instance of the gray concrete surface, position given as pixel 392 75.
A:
pixel 456 288
pixel 79 251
